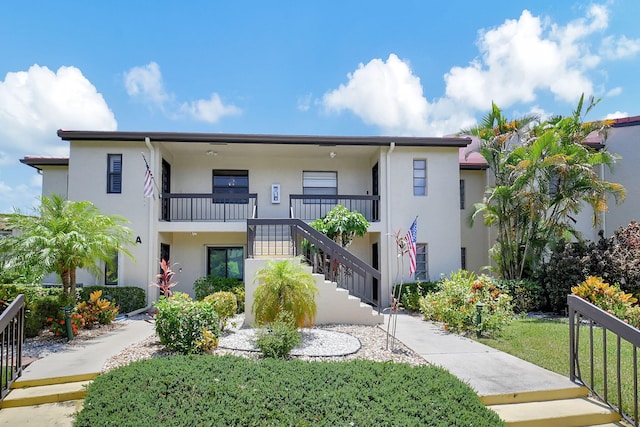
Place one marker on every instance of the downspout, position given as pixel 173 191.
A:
pixel 604 214
pixel 151 235
pixel 390 259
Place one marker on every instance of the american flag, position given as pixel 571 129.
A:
pixel 148 183
pixel 411 237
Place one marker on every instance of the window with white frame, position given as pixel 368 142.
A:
pixel 419 177
pixel 422 265
pixel 324 183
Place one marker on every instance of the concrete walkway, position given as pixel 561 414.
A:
pixel 488 371
pixel 89 357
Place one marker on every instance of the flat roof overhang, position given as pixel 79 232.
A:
pixel 234 138
pixel 38 161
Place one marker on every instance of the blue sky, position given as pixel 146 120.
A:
pixel 299 67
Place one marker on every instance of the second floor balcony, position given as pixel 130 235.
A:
pixel 210 207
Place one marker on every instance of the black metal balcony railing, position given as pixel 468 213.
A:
pixel 293 237
pixel 615 382
pixel 309 207
pixel 11 340
pixel 208 207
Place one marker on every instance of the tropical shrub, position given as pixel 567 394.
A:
pixel 526 295
pixel 285 285
pixel 342 225
pixel 59 327
pixel 456 304
pixel 97 310
pixel 410 293
pixel 608 297
pixel 278 338
pixel 225 305
pixel 164 280
pixel 183 324
pixel 210 284
pixel 127 298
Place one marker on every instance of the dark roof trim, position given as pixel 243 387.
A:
pixel 37 161
pixel 233 138
pixel 473 166
pixel 626 121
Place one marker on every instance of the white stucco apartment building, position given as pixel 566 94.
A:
pixel 209 186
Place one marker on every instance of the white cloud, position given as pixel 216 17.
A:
pixel 210 110
pixel 385 94
pixel 24 197
pixel 622 47
pixel 615 91
pixel 37 102
pixel 616 115
pixel 521 57
pixel 146 83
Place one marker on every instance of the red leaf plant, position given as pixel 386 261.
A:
pixel 164 280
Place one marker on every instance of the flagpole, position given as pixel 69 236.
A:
pixel 153 178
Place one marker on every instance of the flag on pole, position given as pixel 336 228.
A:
pixel 148 183
pixel 411 237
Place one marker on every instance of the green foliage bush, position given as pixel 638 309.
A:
pixel 40 304
pixel 127 298
pixel 455 304
pixel 232 391
pixel 278 338
pixel 526 295
pixel 285 286
pixel 609 298
pixel 208 285
pixel 412 292
pixel 225 305
pixel 183 324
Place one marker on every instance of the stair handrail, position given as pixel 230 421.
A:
pixel 583 313
pixel 12 338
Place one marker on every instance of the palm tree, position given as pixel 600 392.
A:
pixel 285 286
pixel 64 236
pixel 544 174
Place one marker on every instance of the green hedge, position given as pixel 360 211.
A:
pixel 233 391
pixel 209 284
pixel 40 304
pixel 128 298
pixel 413 291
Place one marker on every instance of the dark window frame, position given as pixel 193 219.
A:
pixel 114 186
pixel 462 194
pixel 225 189
pixel 226 249
pixel 111 270
pixel 308 190
pixel 463 258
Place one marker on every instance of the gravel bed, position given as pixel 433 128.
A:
pixel 328 342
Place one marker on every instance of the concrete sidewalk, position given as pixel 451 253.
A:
pixel 488 371
pixel 91 356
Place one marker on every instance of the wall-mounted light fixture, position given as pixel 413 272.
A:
pixel 212 153
pixel 332 154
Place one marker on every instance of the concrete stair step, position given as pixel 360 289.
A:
pixel 38 395
pixel 535 396
pixel 47 390
pixel 563 412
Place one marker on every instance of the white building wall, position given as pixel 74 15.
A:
pixel 88 181
pixel 55 180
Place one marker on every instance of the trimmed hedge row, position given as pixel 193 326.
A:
pixel 233 391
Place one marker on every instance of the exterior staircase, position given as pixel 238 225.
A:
pixel 558 408
pixel 47 390
pixel 334 304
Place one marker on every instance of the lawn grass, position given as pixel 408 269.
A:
pixel 234 391
pixel 546 344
